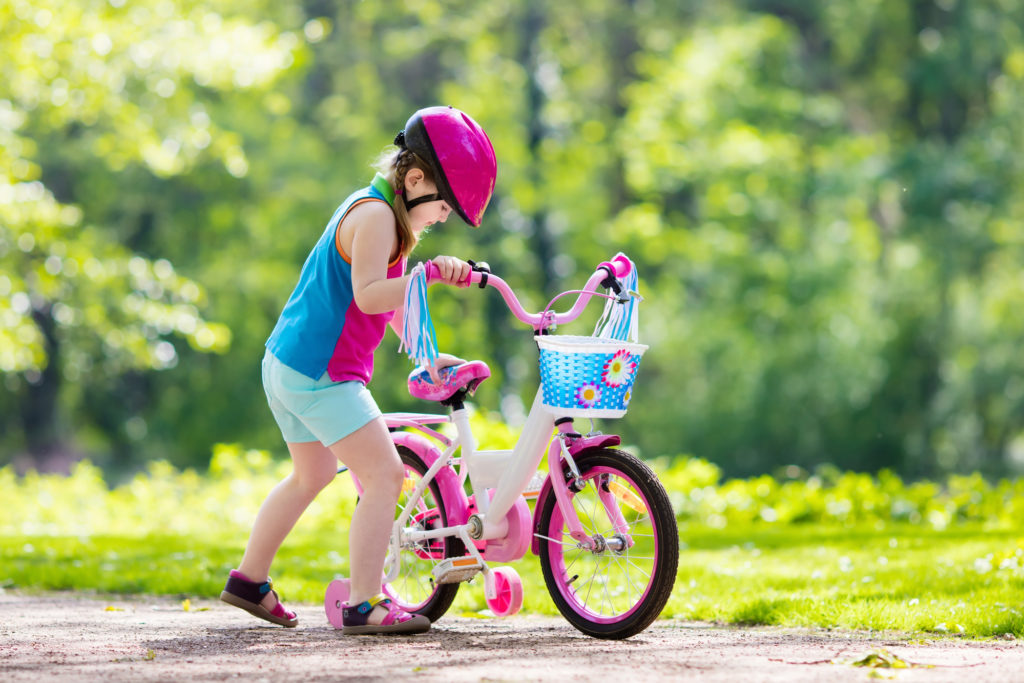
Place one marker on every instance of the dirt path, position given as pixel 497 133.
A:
pixel 63 637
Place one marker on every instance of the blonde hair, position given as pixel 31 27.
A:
pixel 394 163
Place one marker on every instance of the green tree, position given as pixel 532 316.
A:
pixel 822 198
pixel 92 94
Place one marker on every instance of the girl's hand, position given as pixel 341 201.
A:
pixel 443 360
pixel 454 271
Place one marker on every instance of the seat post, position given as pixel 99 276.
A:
pixel 467 443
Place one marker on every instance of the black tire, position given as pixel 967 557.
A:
pixel 620 617
pixel 438 597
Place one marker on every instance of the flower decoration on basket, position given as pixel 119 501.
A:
pixel 619 369
pixel 588 395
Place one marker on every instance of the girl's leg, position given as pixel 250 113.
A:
pixel 371 455
pixel 314 466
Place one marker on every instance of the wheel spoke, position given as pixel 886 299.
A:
pixel 608 596
pixel 625 572
pixel 573 563
pixel 583 505
pixel 590 587
pixel 553 540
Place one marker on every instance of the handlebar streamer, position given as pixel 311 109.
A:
pixel 419 341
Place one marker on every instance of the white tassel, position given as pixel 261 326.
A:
pixel 418 338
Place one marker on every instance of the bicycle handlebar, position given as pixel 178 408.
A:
pixel 607 274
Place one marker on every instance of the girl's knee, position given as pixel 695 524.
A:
pixel 388 477
pixel 394 473
pixel 314 481
pixel 313 467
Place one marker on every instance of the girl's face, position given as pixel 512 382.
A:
pixel 426 214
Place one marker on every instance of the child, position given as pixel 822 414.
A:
pixel 320 357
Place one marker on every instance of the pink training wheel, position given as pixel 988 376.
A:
pixel 335 601
pixel 503 590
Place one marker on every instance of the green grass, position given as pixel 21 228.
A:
pixel 896 578
pixel 899 578
pixel 838 551
pixel 189 568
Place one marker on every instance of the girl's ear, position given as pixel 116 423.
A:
pixel 413 177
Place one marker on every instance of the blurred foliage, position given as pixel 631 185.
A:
pixel 839 498
pixel 224 501
pixel 155 501
pixel 823 198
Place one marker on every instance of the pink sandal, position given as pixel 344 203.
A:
pixel 356 619
pixel 241 592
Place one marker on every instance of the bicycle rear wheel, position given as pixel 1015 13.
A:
pixel 617 588
pixel 414 589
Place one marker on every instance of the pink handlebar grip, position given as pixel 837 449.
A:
pixel 622 265
pixel 434 274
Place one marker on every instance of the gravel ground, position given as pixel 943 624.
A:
pixel 69 637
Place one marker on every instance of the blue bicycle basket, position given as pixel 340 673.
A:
pixel 587 376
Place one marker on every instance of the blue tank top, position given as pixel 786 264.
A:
pixel 321 329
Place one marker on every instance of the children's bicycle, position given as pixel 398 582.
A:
pixel 602 524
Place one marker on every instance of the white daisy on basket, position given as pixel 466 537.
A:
pixel 588 395
pixel 619 369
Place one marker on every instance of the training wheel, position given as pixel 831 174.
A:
pixel 335 601
pixel 503 590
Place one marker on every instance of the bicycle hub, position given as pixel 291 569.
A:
pixel 476 527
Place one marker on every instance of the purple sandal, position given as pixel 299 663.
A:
pixel 356 619
pixel 241 592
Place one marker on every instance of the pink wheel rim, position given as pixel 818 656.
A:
pixel 580 600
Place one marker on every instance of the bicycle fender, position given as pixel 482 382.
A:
pixel 455 502
pixel 585 443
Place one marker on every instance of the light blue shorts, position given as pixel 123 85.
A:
pixel 315 410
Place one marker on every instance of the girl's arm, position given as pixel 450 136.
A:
pixel 398 321
pixel 373 241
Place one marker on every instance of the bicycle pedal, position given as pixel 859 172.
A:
pixel 456 569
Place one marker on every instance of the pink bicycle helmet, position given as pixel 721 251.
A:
pixel 460 155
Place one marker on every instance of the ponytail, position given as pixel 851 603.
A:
pixel 394 164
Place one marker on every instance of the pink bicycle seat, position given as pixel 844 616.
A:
pixel 453 378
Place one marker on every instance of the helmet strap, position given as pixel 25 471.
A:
pixel 410 204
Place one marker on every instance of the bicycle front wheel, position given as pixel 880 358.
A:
pixel 619 585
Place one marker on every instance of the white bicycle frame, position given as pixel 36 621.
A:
pixel 506 472
pixel 511 470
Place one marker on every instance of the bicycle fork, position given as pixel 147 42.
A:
pixel 565 442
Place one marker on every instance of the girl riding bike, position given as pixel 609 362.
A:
pixel 319 358
pixel 602 524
